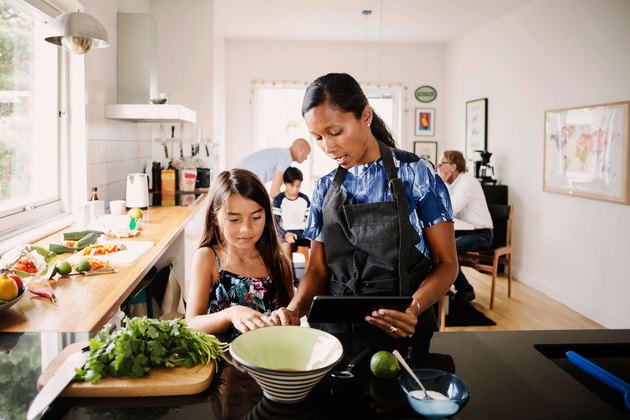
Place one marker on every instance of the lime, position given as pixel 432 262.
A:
pixel 135 213
pixel 84 265
pixel 384 365
pixel 64 268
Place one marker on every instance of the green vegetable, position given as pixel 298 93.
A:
pixel 145 343
pixel 60 249
pixel 75 236
pixel 88 239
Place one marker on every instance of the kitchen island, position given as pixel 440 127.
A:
pixel 511 375
pixel 85 304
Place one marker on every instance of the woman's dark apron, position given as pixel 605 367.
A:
pixel 370 250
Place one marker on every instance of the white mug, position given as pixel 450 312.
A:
pixel 117 206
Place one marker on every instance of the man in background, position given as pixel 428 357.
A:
pixel 270 164
pixel 469 204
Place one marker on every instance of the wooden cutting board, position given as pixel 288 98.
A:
pixel 135 249
pixel 159 381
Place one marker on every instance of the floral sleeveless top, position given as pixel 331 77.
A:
pixel 258 293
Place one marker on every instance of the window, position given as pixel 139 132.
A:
pixel 30 145
pixel 278 121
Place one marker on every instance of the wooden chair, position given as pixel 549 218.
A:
pixel 499 254
pixel 304 250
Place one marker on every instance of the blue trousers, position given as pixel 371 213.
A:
pixel 469 241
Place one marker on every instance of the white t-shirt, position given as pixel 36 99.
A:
pixel 469 201
pixel 292 213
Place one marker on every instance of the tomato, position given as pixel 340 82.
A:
pixel 24 264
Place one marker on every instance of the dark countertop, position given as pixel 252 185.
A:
pixel 508 378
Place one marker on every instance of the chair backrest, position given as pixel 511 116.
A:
pixel 502 221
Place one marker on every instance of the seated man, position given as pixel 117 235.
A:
pixel 469 204
pixel 290 208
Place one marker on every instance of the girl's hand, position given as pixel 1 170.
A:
pixel 285 316
pixel 290 237
pixel 397 324
pixel 247 319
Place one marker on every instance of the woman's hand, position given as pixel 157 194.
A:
pixel 285 316
pixel 395 323
pixel 247 319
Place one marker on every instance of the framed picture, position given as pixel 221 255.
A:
pixel 426 150
pixel 476 126
pixel 587 152
pixel 425 122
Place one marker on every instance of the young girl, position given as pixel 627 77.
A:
pixel 239 274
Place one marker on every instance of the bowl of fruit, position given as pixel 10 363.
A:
pixel 11 290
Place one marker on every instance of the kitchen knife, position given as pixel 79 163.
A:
pixel 94 272
pixel 57 383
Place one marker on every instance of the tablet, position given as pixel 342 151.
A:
pixel 352 308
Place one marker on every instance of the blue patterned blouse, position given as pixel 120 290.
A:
pixel 258 293
pixel 367 183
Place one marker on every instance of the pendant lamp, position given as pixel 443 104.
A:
pixel 78 32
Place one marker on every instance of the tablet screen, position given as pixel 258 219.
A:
pixel 352 308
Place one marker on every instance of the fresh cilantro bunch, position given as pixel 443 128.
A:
pixel 144 343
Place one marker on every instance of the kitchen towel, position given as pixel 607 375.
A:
pixel 463 314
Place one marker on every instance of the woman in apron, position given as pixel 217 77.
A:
pixel 377 224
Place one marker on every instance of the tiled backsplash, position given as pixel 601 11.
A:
pixel 111 159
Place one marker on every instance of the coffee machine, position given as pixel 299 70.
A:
pixel 484 172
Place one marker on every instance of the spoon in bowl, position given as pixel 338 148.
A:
pixel 428 395
pixel 347 374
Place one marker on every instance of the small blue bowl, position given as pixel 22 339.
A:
pixel 443 382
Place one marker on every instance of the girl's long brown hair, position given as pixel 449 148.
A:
pixel 248 185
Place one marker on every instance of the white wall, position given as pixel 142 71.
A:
pixel 411 64
pixel 550 55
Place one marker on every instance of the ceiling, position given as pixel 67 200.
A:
pixel 418 21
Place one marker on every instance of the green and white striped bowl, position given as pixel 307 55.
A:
pixel 287 362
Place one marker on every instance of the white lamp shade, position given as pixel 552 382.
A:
pixel 78 32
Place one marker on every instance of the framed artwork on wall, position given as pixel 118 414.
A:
pixel 476 126
pixel 425 122
pixel 426 150
pixel 587 152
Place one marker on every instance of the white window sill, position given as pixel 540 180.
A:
pixel 37 233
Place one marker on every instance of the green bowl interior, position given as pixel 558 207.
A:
pixel 287 348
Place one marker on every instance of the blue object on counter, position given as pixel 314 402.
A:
pixel 602 374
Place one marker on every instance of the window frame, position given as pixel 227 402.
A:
pixel 36 219
pixel 395 91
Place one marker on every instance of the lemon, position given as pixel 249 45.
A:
pixel 384 365
pixel 8 288
pixel 135 213
pixel 64 268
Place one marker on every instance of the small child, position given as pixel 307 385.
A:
pixel 239 274
pixel 290 208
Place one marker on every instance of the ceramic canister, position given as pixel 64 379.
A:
pixel 187 177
